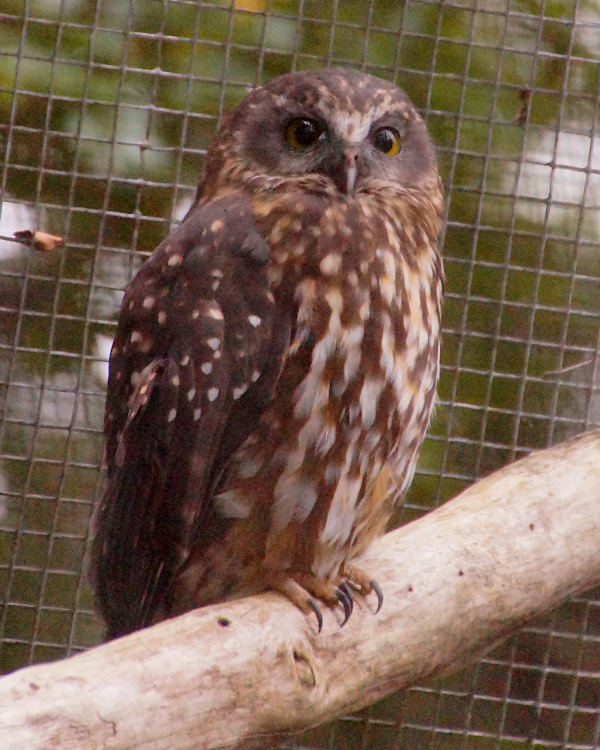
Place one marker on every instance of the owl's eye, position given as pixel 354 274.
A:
pixel 388 141
pixel 300 133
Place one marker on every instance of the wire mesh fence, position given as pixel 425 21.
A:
pixel 106 109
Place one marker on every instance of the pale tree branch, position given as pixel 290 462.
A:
pixel 455 582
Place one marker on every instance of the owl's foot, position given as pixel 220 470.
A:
pixel 304 590
pixel 361 582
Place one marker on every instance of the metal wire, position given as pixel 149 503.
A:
pixel 106 110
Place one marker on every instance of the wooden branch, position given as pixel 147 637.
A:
pixel 455 582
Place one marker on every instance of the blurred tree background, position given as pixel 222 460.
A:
pixel 106 109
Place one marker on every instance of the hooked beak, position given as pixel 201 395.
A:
pixel 345 172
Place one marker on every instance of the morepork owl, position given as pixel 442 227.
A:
pixel 276 359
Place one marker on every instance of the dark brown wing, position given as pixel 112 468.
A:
pixel 194 361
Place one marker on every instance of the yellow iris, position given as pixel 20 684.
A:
pixel 388 141
pixel 300 133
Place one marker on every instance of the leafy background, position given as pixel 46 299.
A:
pixel 106 109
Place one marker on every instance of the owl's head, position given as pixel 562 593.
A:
pixel 342 125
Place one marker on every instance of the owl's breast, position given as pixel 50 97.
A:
pixel 358 382
pixel 364 278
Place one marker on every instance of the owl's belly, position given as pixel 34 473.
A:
pixel 317 481
pixel 318 478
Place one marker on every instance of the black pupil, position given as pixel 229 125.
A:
pixel 384 141
pixel 305 132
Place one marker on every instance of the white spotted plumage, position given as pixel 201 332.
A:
pixel 276 360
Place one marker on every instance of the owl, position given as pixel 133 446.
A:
pixel 276 359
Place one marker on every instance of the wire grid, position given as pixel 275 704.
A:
pixel 106 112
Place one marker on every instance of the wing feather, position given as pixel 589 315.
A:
pixel 194 361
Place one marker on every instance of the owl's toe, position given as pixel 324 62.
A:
pixel 363 583
pixel 298 593
pixel 307 591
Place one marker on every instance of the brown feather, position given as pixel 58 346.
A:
pixel 276 359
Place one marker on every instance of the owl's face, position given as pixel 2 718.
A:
pixel 347 127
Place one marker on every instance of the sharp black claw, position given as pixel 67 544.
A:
pixel 315 608
pixel 347 589
pixel 346 601
pixel 378 593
